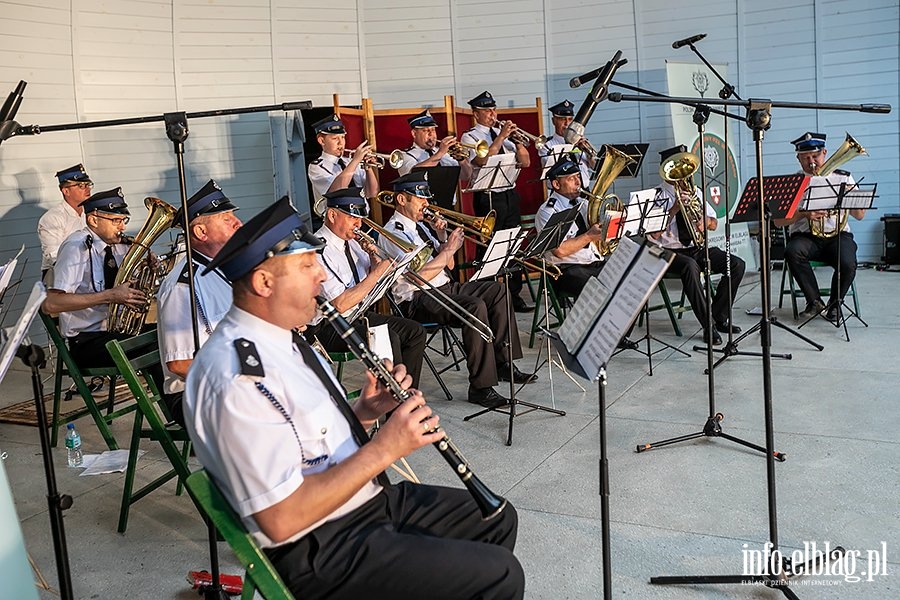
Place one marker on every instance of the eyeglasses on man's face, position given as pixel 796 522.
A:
pixel 116 220
pixel 84 185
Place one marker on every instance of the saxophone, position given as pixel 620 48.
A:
pixel 137 267
pixel 679 171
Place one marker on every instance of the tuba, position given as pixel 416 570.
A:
pixel 849 150
pixel 137 267
pixel 600 207
pixel 679 171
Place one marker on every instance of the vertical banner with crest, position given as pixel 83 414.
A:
pixel 697 81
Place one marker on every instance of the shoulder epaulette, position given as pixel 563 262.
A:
pixel 318 161
pixel 249 358
pixel 398 225
pixel 183 276
pixel 842 172
pixel 551 201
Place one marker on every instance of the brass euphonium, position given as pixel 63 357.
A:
pixel 848 150
pixel 679 170
pixel 600 207
pixel 138 268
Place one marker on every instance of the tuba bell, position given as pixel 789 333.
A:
pixel 600 207
pixel 848 150
pixel 137 267
pixel 679 170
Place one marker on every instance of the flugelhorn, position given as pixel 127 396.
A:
pixel 520 136
pixel 378 160
pixel 848 150
pixel 460 150
pixel 489 503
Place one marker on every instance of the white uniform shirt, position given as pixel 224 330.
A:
pixel 666 197
pixel 337 267
pixel 416 154
pixel 406 228
pixel 244 441
pixel 831 222
pixel 55 226
pixel 176 334
pixel 546 150
pixel 481 133
pixel 324 169
pixel 558 203
pixel 79 270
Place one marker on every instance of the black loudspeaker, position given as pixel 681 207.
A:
pixel 891 254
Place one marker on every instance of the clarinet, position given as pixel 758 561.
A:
pixel 490 504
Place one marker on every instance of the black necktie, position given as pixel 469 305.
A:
pixel 423 233
pixel 430 152
pixel 502 150
pixel 350 260
pixel 342 164
pixel 110 268
pixel 356 429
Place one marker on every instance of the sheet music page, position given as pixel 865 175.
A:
pixel 401 263
pixel 38 293
pixel 656 217
pixel 822 192
pixel 579 319
pixel 500 246
pixel 622 309
pixel 618 263
pixel 860 196
pixel 556 152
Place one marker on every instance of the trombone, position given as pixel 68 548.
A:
pixel 421 259
pixel 379 160
pixel 480 229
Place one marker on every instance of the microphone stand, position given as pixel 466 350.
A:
pixel 177 131
pixel 778 569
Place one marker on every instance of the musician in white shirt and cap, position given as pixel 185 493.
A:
pixel 429 151
pixel 65 218
pixel 562 115
pixel 333 170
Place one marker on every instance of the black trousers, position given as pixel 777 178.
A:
pixel 689 263
pixel 407 340
pixel 411 541
pixel 575 277
pixel 88 349
pixel 804 247
pixel 509 214
pixel 487 301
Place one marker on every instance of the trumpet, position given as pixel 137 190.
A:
pixel 460 150
pixel 379 160
pixel 520 136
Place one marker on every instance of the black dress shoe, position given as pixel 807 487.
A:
pixel 812 309
pixel 722 327
pixel 626 344
pixel 520 306
pixel 486 397
pixel 716 338
pixel 832 314
pixel 518 376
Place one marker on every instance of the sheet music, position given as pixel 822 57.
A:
pixel 38 293
pixel 822 192
pixel 499 171
pixel 401 263
pixel 494 258
pixel 555 153
pixel 655 217
pixel 7 270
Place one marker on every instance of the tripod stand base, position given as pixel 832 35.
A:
pixel 510 410
pixel 712 428
pixel 731 348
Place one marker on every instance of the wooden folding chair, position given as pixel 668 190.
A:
pixel 260 574
pixel 134 357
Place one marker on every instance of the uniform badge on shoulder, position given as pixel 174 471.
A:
pixel 183 276
pixel 318 161
pixel 398 225
pixel 842 172
pixel 249 358
pixel 551 202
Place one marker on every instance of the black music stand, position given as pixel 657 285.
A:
pixel 829 197
pixel 636 152
pixel 499 253
pixel 442 181
pixel 783 195
pixel 551 235
pixel 591 341
pixel 497 172
pixel 644 216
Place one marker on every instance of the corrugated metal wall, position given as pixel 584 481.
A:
pixel 94 59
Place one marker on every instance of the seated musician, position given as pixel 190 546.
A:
pixel 352 273
pixel 333 170
pixel 211 222
pixel 484 299
pixel 690 258
pixel 803 245
pixel 428 151
pixel 561 115
pixel 291 456
pixel 576 256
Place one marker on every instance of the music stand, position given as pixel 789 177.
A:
pixel 642 216
pixel 636 152
pixel 551 235
pixel 823 194
pixel 783 194
pixel 442 181
pixel 500 251
pixel 499 171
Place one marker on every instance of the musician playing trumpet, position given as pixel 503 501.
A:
pixel 273 428
pixel 353 270
pixel 690 258
pixel 334 170
pixel 561 115
pixel 499 135
pixel 429 151
pixel 802 246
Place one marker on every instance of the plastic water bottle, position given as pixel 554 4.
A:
pixel 74 457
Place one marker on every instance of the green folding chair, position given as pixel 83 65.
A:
pixel 260 574
pixel 65 366
pixel 134 357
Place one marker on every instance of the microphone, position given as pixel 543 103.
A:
pixel 591 75
pixel 575 130
pixel 688 41
pixel 8 112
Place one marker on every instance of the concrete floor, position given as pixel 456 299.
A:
pixel 692 508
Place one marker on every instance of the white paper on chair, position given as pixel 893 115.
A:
pixel 111 461
pixel 380 342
